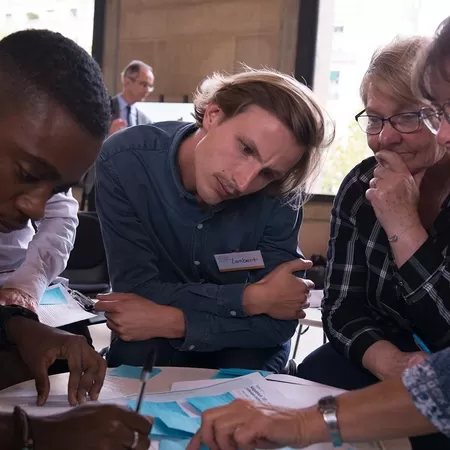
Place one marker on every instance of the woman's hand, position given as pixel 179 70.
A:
pixel 244 425
pixel 394 194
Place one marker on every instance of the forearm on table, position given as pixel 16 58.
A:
pixel 382 411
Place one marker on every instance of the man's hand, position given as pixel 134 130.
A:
pixel 9 296
pixel 117 125
pixel 92 427
pixel 135 318
pixel 244 425
pixel 40 346
pixel 280 294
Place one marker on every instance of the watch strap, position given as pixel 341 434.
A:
pixel 328 407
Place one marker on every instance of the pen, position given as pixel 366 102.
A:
pixel 421 344
pixel 403 322
pixel 145 375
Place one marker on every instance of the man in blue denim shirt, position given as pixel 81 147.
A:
pixel 173 195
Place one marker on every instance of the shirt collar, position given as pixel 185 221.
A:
pixel 178 138
pixel 122 103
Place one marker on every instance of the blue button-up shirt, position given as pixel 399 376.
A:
pixel 160 242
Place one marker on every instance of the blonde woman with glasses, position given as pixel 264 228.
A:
pixel 387 290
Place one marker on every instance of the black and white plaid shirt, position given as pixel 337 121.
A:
pixel 366 297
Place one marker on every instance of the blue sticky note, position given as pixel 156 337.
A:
pixel 170 419
pixel 161 430
pixel 154 409
pixel 180 422
pixel 53 296
pixel 233 373
pixel 125 371
pixel 204 403
pixel 176 444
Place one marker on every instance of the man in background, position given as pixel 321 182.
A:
pixel 137 81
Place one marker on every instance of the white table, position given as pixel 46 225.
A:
pixel 291 387
pixel 313 319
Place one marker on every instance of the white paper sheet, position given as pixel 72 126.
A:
pixel 63 314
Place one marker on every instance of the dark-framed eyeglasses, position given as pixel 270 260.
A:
pixel 407 122
pixel 144 84
pixel 432 116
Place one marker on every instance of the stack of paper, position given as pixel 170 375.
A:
pixel 57 308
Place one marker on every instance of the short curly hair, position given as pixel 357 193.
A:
pixel 36 62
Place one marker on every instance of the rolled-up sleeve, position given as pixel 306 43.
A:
pixel 49 250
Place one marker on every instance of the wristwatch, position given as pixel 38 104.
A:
pixel 8 312
pixel 328 407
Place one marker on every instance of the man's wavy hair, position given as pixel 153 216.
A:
pixel 290 101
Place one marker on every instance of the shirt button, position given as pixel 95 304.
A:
pixel 232 313
pixel 197 263
pixel 400 283
pixel 200 226
pixel 191 347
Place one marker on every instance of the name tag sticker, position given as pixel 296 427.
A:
pixel 228 262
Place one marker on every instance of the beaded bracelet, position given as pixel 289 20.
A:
pixel 22 427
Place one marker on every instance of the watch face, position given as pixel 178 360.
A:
pixel 327 404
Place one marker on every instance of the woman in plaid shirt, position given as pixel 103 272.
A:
pixel 388 275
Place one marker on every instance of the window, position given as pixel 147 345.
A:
pixel 72 18
pixel 348 33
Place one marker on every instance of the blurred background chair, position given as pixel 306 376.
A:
pixel 87 269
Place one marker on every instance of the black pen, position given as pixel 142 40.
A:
pixel 145 375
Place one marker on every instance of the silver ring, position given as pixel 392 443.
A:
pixel 135 441
pixel 308 294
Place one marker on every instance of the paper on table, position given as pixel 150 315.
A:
pixel 7 400
pixel 125 371
pixel 201 404
pixel 195 384
pixel 233 373
pixel 54 295
pixel 252 386
pixel 62 314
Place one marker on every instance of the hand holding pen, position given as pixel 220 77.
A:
pixel 147 369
